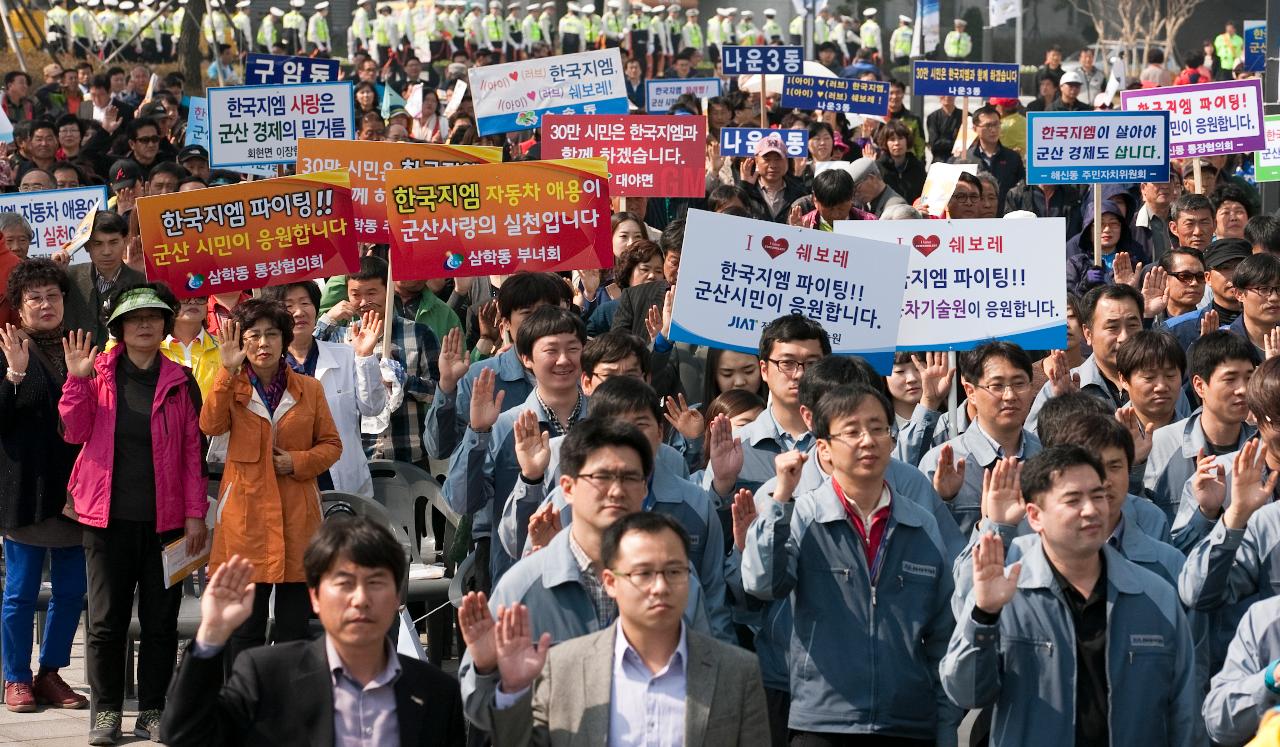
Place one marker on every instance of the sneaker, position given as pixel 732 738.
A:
pixel 18 697
pixel 51 690
pixel 106 729
pixel 148 724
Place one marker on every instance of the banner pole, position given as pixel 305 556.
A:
pixel 1195 164
pixel 387 310
pixel 953 399
pixel 764 93
pixel 964 123
pixel 1097 225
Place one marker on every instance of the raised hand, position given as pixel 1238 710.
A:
pixel 1061 379
pixel 544 525
pixel 533 446
pixel 744 512
pixel 1271 343
pixel 747 171
pixel 1248 492
pixel 490 321
pixel 684 418
pixel 795 216
pixel 1209 322
pixel 1153 291
pixel 1140 433
pixel 14 345
pixel 485 405
pixel 230 347
pixel 454 360
pixel 1002 492
pixel 79 352
pixel 227 601
pixel 948 478
pixel 341 311
pixel 788 465
pixel 366 340
pixel 1208 485
pixel 520 661
pixel 653 322
pixel 133 255
pixel 993 588
pixel 1122 271
pixel 724 454
pixel 479 631
pixel 935 378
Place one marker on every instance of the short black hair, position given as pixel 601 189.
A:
pixel 191 180
pixel 1216 348
pixel 1094 432
pixel 1190 202
pixel 102 81
pixel 986 109
pixel 793 328
pixel 1263 231
pixel 167 167
pixel 546 321
pixel 44 123
pixel 843 400
pixel 726 193
pixel 1166 262
pixel 69 166
pixel 593 433
pixel 371 268
pixel 636 252
pixel 1041 471
pixel 35 272
pixel 13 75
pixel 620 395
pixel 1228 192
pixel 1256 271
pixel 137 123
pixel 70 119
pixel 1058 411
pixel 611 347
pixel 817 128
pixel 278 292
pixel 1149 349
pixel 1113 292
pixel 360 540
pixel 833 187
pixel 105 221
pixel 525 290
pixel 974 362
pixel 116 328
pixel 672 239
pixel 834 371
pixel 642 522
pixel 253 310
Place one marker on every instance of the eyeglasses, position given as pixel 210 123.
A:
pixel 643 580
pixel 967 199
pixel 606 480
pixel 257 338
pixel 32 187
pixel 998 390
pixel 790 366
pixel 38 301
pixel 148 140
pixel 1263 291
pixel 1188 277
pixel 876 432
pixel 197 301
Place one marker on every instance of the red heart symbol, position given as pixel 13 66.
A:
pixel 532 95
pixel 926 245
pixel 774 247
pixel 514 75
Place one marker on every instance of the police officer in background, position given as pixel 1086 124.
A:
pixel 772 30
pixel 900 42
pixel 958 45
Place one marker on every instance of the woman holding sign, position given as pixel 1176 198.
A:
pixel 281 439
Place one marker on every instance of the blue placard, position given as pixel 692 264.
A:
pixel 741 141
pixel 271 69
pixel 835 95
pixel 1097 147
pixel 762 60
pixel 1255 45
pixel 985 79
pixel 660 94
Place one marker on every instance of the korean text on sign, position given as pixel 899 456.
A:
pixel 1266 161
pixel 970 281
pixel 1097 147
pixel 648 155
pixel 1255 45
pixel 257 125
pixel 764 270
pixel 367 163
pixel 516 96
pixel 198 134
pixel 1206 119
pixel 494 219
pixel 270 69
pixel 835 94
pixel 661 94
pixel 985 79
pixel 762 60
pixel 741 141
pixel 53 214
pixel 249 235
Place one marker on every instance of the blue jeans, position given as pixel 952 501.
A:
pixel 23 566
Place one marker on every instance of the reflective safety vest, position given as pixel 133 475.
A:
pixel 1229 50
pixel 267 33
pixel 692 35
pixel 821 31
pixel 900 42
pixel 318 30
pixel 771 30
pixel 715 36
pixel 958 45
pixel 796 27
pixel 360 24
pixel 382 30
pixel 871 35
pixel 80 23
pixel 531 29
pixel 571 25
pixel 612 25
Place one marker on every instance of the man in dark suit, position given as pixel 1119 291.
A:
pixel 349 686
pixel 94 282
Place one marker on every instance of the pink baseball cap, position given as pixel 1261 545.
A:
pixel 771 143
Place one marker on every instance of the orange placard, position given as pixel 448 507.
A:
pixel 250 235
pixel 367 163
pixel 494 219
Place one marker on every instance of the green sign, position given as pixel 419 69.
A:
pixel 1266 162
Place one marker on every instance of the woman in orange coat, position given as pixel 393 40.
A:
pixel 281 439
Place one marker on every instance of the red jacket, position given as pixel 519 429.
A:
pixel 88 409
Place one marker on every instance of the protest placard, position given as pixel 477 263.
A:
pixel 516 95
pixel 648 155
pixel 53 214
pixel 741 141
pixel 1255 45
pixel 1205 119
pixel 735 60
pixel 367 163
pixel 984 79
pixel 971 281
pixel 764 270
pixel 660 95
pixel 494 219
pixel 1097 147
pixel 6 128
pixel 198 134
pixel 940 184
pixel 274 69
pixel 835 95
pixel 1266 161
pixel 260 125
pixel 250 235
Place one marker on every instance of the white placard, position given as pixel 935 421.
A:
pixel 54 214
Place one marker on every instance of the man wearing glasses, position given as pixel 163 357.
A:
pixel 991 155
pixel 1257 286
pixel 1221 259
pixel 869 579
pixel 997 383
pixel 1184 270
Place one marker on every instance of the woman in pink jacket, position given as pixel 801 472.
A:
pixel 138 485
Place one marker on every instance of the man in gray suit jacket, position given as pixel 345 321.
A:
pixel 95 282
pixel 646 677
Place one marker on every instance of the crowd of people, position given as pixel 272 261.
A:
pixel 669 544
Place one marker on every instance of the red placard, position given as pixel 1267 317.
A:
pixel 661 155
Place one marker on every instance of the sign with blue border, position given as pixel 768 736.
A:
pixel 1097 147
pixel 984 79
pixel 260 125
pixel 735 60
pixel 835 95
pixel 741 141
pixel 273 69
